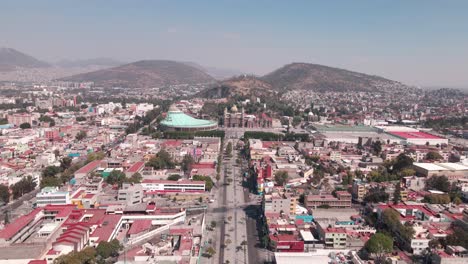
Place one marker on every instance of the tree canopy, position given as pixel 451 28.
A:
pixel 208 181
pixel 401 162
pixel 108 249
pixel 440 183
pixel 25 185
pixel 281 177
pixel 433 155
pixel 162 160
pixel 4 194
pixel 379 243
pixel 173 177
pixel 187 163
pixel 25 126
pixel 81 135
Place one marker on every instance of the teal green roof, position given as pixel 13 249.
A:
pixel 179 119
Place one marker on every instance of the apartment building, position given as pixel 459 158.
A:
pixel 280 203
pixel 328 200
pixel 130 194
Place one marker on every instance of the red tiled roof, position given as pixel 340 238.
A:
pixel 11 229
pixel 139 226
pixel 172 143
pixel 43 261
pixel 180 231
pixel 136 167
pixel 106 227
pixel 414 135
pixel 89 195
pixel 89 167
pixel 210 165
pixel 78 194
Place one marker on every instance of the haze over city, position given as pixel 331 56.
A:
pixel 415 42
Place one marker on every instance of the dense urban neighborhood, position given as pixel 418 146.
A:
pixel 112 175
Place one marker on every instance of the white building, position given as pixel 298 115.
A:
pixel 166 186
pixel 52 195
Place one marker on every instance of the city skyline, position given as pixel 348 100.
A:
pixel 417 43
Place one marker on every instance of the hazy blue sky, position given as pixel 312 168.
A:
pixel 417 42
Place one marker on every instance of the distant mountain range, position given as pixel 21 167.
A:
pixel 318 78
pixel 156 73
pixel 302 76
pixel 146 73
pixel 101 62
pixel 11 59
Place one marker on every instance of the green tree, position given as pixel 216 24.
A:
pixel 50 182
pixel 433 155
pixel 377 147
pixel 296 121
pixel 376 195
pixel 173 177
pixel 116 177
pixel 437 198
pixel 25 126
pixel 108 249
pixel 6 218
pixel 281 177
pixel 95 156
pixel 397 193
pixel 379 244
pixel 81 135
pixel 65 163
pixel 162 160
pixel 209 252
pixel 208 181
pixel 407 172
pixel 187 163
pixel 457 200
pixel 401 162
pixel 47 119
pixel 436 182
pixel 391 218
pixel 229 149
pixel 459 237
pixel 50 171
pixel 135 178
pixel 25 185
pixel 85 256
pixel 4 194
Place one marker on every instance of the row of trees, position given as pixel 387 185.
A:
pixel 391 221
pixel 191 134
pixel 207 179
pixel 25 185
pixel 163 160
pixel 22 187
pixel 269 136
pixel 100 254
pixel 119 178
